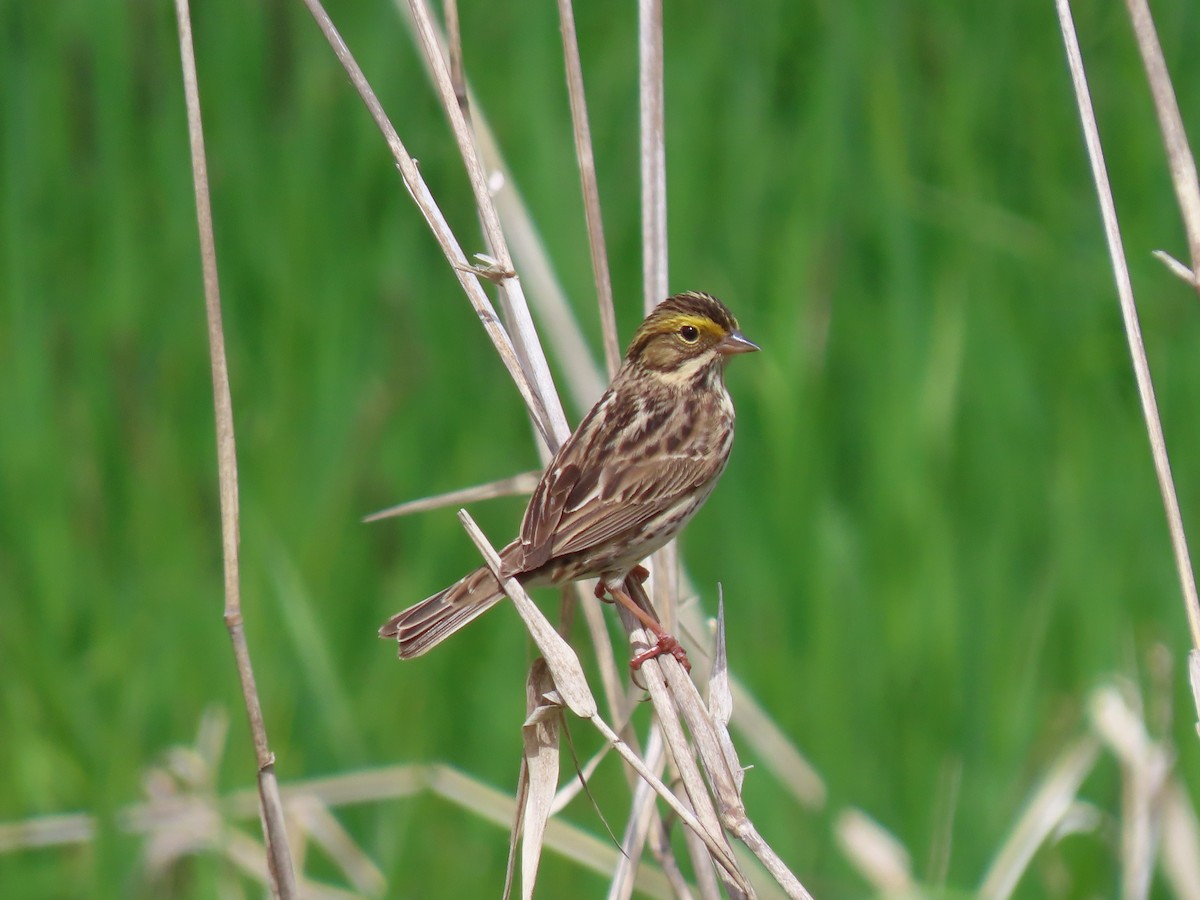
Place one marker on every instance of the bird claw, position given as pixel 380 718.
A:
pixel 666 644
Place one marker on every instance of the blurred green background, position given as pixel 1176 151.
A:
pixel 940 528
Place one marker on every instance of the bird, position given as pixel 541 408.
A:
pixel 641 463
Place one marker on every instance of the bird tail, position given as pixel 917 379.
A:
pixel 423 626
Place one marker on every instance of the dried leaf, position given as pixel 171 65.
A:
pixel 720 698
pixel 560 658
pixel 540 739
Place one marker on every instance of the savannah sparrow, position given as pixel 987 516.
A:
pixel 623 484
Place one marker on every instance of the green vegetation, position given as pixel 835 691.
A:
pixel 940 528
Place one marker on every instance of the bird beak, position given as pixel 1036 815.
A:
pixel 736 342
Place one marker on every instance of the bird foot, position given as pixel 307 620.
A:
pixel 667 643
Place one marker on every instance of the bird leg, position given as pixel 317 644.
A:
pixel 638 572
pixel 667 643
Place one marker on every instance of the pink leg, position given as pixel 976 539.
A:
pixel 640 573
pixel 667 643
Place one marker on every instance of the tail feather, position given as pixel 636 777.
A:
pixel 423 626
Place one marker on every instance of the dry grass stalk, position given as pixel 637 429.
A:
pixel 1185 188
pixel 664 566
pixel 584 379
pixel 515 486
pixel 653 153
pixel 1180 839
pixel 1176 268
pixel 548 425
pixel 591 188
pixel 517 318
pixel 1145 769
pixel 183 816
pixel 539 773
pixel 1157 822
pixel 279 862
pixel 1042 815
pixel 674 694
pixel 642 813
pixel 572 689
pixel 1175 142
pixel 1187 191
pixel 875 852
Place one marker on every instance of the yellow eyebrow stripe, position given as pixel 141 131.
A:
pixel 674 323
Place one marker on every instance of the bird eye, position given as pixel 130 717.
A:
pixel 690 334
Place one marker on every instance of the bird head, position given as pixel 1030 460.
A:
pixel 686 334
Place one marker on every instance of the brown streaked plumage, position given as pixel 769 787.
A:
pixel 625 482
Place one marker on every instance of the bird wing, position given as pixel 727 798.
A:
pixel 573 510
pixel 632 497
pixel 569 475
pixel 544 512
pixel 603 483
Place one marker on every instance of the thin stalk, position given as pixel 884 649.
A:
pixel 1179 153
pixel 591 188
pixel 551 427
pixel 279 859
pixel 1133 330
pixel 524 336
pixel 653 153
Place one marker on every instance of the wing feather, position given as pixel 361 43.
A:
pixel 602 485
pixel 641 492
pixel 565 480
pixel 544 513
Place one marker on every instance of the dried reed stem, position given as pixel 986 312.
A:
pixel 454 43
pixel 550 426
pixel 675 697
pixel 577 696
pixel 524 337
pixel 1187 191
pixel 653 153
pixel 279 861
pixel 1145 772
pixel 198 819
pixel 591 188
pixel 515 486
pixel 643 819
pixel 1042 814
pixel 557 318
pixel 642 813
pixel 1175 142
pixel 1133 331
pixel 655 283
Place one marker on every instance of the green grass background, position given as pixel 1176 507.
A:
pixel 940 527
